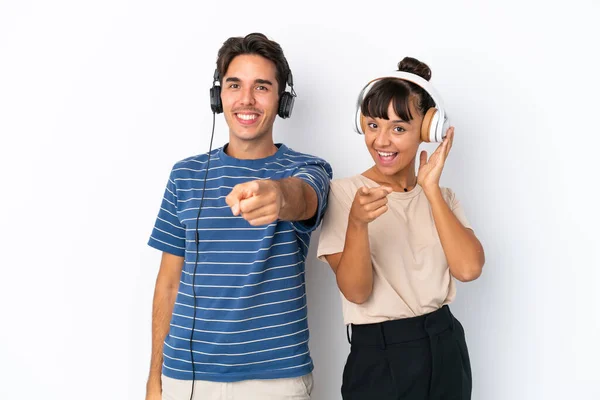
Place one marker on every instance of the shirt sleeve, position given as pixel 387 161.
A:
pixel 335 223
pixel 318 175
pixel 168 234
pixel 456 208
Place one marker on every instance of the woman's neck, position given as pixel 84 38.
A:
pixel 403 181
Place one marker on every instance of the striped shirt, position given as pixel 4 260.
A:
pixel 249 286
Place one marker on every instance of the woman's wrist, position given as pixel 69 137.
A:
pixel 432 191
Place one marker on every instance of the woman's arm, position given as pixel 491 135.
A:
pixel 462 248
pixel 352 267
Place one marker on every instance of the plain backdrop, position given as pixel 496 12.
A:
pixel 98 99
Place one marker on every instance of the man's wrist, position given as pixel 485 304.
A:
pixel 280 197
pixel 154 383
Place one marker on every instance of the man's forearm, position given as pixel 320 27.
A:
pixel 162 309
pixel 299 200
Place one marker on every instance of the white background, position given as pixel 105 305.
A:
pixel 98 99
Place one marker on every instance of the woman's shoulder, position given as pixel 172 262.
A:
pixel 345 188
pixel 449 195
pixel 352 182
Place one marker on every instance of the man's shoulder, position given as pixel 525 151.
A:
pixel 300 155
pixel 199 158
pixel 302 159
pixel 196 162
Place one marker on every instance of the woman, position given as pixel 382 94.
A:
pixel 395 240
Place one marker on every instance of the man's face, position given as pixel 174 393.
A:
pixel 250 97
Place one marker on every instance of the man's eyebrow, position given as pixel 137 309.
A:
pixel 264 82
pixel 258 81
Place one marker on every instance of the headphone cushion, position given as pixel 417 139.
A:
pixel 428 125
pixel 215 99
pixel 286 103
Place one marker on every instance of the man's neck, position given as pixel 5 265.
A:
pixel 250 150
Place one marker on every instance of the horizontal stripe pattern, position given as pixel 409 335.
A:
pixel 246 283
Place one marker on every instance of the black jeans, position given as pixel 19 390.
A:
pixel 420 358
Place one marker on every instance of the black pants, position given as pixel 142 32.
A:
pixel 420 358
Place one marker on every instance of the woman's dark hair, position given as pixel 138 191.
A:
pixel 399 92
pixel 254 43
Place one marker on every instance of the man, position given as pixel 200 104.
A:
pixel 229 309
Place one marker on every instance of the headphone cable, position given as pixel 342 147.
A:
pixel 197 240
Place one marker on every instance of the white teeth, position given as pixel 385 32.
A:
pixel 247 117
pixel 384 154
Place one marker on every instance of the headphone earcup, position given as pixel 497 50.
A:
pixel 434 129
pixel 444 128
pixel 429 125
pixel 215 99
pixel 286 104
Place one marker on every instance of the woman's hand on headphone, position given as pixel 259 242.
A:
pixel 430 170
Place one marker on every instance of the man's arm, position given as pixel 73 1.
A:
pixel 165 292
pixel 299 200
pixel 261 202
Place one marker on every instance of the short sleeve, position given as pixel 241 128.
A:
pixel 168 234
pixel 318 175
pixel 335 223
pixel 456 207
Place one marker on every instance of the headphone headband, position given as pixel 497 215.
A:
pixel 440 122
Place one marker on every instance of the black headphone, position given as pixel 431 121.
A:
pixel 286 99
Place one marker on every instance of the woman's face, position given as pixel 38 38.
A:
pixel 393 143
